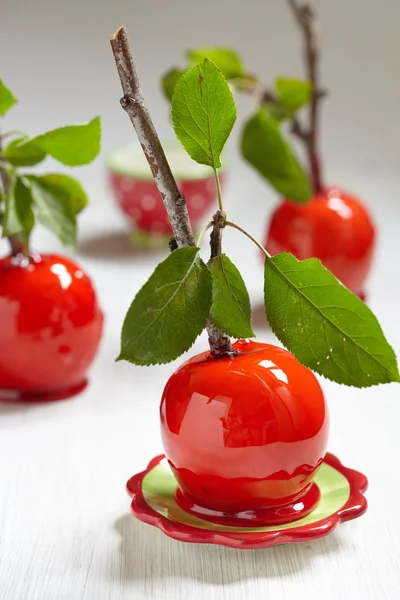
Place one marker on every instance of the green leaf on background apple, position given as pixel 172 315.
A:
pixel 230 310
pixel 227 60
pixel 7 99
pixel 264 147
pixel 203 113
pixel 293 94
pixel 72 145
pixel 324 325
pixel 71 186
pixel 18 215
pixel 169 81
pixel 169 312
pixel 20 154
pixel 54 208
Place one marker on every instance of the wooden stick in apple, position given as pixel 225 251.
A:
pixel 133 104
pixel 306 18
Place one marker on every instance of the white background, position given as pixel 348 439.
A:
pixel 65 528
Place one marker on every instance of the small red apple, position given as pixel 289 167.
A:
pixel 334 227
pixel 244 433
pixel 51 326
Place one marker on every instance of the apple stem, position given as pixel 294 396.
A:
pixel 220 205
pixel 307 20
pixel 16 245
pixel 175 204
pixel 133 104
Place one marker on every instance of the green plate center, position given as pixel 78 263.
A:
pixel 159 486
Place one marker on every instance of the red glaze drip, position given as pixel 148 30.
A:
pixel 244 433
pixel 334 227
pixel 51 327
pixel 262 517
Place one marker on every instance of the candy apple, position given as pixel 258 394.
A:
pixel 244 433
pixel 50 321
pixel 51 327
pixel 244 426
pixel 334 227
pixel 137 195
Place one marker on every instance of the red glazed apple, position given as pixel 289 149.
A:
pixel 244 433
pixel 137 195
pixel 334 227
pixel 51 327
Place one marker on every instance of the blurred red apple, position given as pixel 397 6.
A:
pixel 51 326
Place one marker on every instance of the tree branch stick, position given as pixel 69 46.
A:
pixel 175 204
pixel 307 20
pixel 133 103
pixel 298 131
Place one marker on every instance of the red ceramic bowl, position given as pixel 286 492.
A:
pixel 137 195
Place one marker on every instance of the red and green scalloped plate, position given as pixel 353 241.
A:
pixel 341 499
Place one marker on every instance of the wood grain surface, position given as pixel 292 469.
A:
pixel 65 528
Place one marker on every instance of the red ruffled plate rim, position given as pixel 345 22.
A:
pixel 355 507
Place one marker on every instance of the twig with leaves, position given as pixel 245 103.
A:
pixel 324 325
pixel 175 204
pixel 307 20
pixel 263 135
pixel 54 199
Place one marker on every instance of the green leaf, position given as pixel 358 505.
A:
pixel 325 326
pixel 72 145
pixel 18 215
pixel 71 186
pixel 293 94
pixel 169 81
pixel 231 310
pixel 265 149
pixel 203 113
pixel 54 208
pixel 226 60
pixel 7 99
pixel 170 310
pixel 20 154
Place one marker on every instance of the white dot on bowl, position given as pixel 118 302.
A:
pixel 127 184
pixel 211 186
pixel 148 202
pixel 78 274
pixel 135 212
pixel 197 201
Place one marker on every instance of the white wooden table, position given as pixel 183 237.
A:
pixel 65 528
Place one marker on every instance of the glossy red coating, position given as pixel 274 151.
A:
pixel 334 227
pixel 274 515
pixel 51 326
pixel 244 433
pixel 355 507
pixel 140 200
